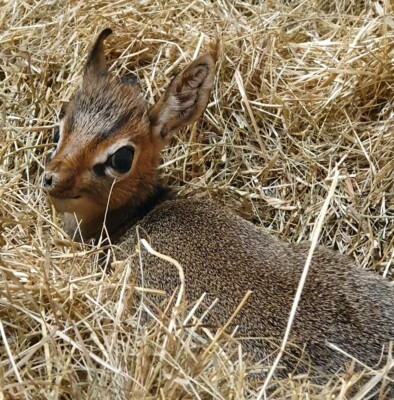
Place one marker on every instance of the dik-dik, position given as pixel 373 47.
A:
pixel 104 171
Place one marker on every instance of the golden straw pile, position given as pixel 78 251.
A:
pixel 303 87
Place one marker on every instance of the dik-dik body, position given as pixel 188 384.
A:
pixel 108 150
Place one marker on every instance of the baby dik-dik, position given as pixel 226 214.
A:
pixel 108 151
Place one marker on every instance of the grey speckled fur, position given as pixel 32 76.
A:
pixel 224 256
pixel 220 253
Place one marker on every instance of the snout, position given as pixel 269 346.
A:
pixel 61 191
pixel 52 182
pixel 60 174
pixel 60 184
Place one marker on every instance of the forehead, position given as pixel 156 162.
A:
pixel 103 106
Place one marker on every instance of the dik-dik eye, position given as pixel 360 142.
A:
pixel 56 135
pixel 122 159
pixel 119 162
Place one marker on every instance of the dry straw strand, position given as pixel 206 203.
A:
pixel 302 86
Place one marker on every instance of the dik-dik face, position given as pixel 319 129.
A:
pixel 109 138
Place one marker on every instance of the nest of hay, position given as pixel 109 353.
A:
pixel 303 87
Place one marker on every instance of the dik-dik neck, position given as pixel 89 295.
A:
pixel 115 223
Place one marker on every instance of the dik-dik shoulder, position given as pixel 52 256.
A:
pixel 105 173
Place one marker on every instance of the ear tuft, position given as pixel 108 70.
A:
pixel 96 59
pixel 186 97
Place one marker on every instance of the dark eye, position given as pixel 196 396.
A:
pixel 56 135
pixel 63 109
pixel 122 159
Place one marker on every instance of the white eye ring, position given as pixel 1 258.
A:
pixel 118 164
pixel 102 158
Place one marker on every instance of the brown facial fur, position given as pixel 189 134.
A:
pixel 102 113
pixel 106 114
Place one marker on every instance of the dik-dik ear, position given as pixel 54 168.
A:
pixel 96 60
pixel 185 99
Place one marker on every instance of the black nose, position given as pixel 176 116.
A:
pixel 47 181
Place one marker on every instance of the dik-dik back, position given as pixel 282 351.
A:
pixel 108 150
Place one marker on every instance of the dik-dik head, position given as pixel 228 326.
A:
pixel 109 138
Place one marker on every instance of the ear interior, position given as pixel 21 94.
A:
pixel 96 59
pixel 186 97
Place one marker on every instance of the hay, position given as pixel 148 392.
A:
pixel 303 86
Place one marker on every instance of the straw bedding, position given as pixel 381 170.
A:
pixel 303 88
